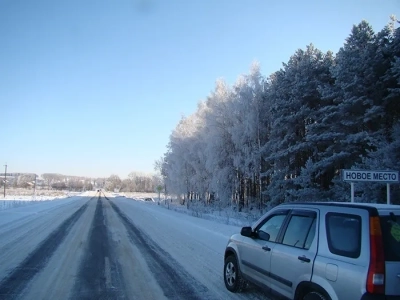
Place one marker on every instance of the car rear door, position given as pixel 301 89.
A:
pixel 390 224
pixel 293 256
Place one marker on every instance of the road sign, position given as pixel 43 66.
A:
pixel 387 177
pixel 370 176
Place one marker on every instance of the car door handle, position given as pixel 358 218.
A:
pixel 266 248
pixel 398 275
pixel 303 258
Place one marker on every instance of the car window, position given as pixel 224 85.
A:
pixel 311 235
pixel 391 237
pixel 298 231
pixel 272 226
pixel 344 234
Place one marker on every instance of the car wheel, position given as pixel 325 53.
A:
pixel 232 277
pixel 314 296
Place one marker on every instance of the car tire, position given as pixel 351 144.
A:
pixel 314 295
pixel 232 277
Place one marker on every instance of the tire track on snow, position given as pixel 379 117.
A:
pixel 14 284
pixel 176 282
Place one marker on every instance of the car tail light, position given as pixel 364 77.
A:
pixel 376 271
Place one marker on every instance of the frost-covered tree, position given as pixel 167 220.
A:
pixel 176 163
pixel 305 186
pixel 200 181
pixel 26 180
pixel 349 123
pixel 248 133
pixel 50 178
pixel 219 147
pixel 386 157
pixel 294 101
pixel 389 53
pixel 113 182
pixel 287 137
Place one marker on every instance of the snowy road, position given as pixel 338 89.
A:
pixel 111 248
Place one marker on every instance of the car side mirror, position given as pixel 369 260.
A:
pixel 264 235
pixel 247 231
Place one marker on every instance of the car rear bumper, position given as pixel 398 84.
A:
pixel 379 297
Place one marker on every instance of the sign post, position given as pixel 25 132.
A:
pixel 387 177
pixel 352 191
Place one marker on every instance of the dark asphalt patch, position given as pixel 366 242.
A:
pixel 175 282
pixel 99 276
pixel 14 284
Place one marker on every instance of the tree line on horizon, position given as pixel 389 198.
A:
pixel 135 182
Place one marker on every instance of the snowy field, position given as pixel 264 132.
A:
pixel 22 197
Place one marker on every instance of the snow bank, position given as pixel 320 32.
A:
pixel 138 195
pixel 225 215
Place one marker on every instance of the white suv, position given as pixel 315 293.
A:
pixel 319 251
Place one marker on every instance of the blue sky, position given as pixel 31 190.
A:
pixel 95 87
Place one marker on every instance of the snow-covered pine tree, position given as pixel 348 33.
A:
pixel 294 101
pixel 348 126
pixel 306 189
pixel 386 157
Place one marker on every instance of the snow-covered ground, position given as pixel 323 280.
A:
pixel 137 195
pixel 221 215
pixel 24 199
pixel 116 248
pixel 194 243
pixel 225 215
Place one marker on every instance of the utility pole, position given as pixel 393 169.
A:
pixel 5 179
pixel 34 189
